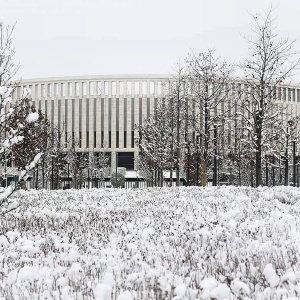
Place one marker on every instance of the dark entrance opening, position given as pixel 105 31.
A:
pixel 126 160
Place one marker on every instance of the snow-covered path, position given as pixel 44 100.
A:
pixel 186 243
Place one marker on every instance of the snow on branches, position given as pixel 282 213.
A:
pixel 11 136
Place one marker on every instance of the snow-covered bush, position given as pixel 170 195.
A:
pixel 180 243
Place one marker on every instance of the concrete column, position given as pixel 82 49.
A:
pixel 109 89
pixel 148 88
pixel 117 88
pixel 136 154
pixel 140 88
pixel 106 140
pixel 124 89
pixel 93 89
pixel 128 123
pixel 144 109
pixel 70 118
pixel 91 123
pixel 155 88
pixel 136 110
pixel 59 90
pixel 32 92
pixel 73 90
pixel 102 89
pixel 55 111
pixel 113 161
pixel 49 110
pixel 132 89
pixel 98 85
pixel 42 105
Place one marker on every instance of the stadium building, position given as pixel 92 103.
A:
pixel 102 111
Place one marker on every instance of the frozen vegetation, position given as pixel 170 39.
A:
pixel 181 243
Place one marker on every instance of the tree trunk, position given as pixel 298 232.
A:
pixel 258 171
pixel 178 138
pixel 203 173
pixel 206 141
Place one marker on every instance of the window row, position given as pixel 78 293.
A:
pixel 116 88
pixel 96 88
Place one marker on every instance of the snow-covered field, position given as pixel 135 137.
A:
pixel 186 243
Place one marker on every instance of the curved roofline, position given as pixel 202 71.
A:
pixel 286 83
pixel 100 77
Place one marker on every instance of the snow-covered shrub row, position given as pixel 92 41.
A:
pixel 180 243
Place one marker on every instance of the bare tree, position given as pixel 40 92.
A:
pixel 59 160
pixel 8 69
pixel 209 79
pixel 177 117
pixel 11 136
pixel 271 61
pixel 156 142
pixel 99 162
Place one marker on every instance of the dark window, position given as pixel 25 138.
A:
pixel 109 139
pixel 95 114
pixel 102 114
pixel 117 139
pixel 125 139
pixel 87 139
pixel 80 136
pixel 132 139
pixel 148 107
pixel 279 93
pixel 95 139
pixel 46 108
pixel 126 160
pixel 102 139
pixel 284 94
pixel 73 138
pixel 66 139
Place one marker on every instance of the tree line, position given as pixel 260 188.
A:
pixel 210 125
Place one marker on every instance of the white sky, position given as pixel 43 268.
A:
pixel 93 37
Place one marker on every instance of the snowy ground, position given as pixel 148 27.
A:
pixel 187 243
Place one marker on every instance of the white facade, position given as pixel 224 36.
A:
pixel 102 111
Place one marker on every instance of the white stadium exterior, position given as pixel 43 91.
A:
pixel 102 111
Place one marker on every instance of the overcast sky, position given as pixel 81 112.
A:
pixel 95 37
